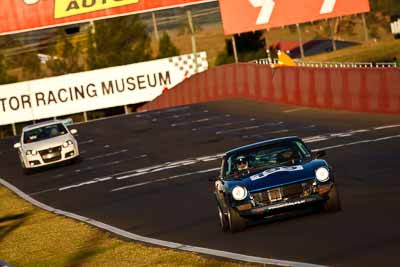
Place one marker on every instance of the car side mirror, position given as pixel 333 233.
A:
pixel 319 154
pixel 74 131
pixel 17 145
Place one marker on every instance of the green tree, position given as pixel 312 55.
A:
pixel 249 46
pixel 91 51
pixel 167 47
pixel 119 41
pixel 390 7
pixel 4 77
pixel 31 66
pixel 65 57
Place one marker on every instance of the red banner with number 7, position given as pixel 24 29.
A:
pixel 249 15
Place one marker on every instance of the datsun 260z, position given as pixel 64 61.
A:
pixel 272 178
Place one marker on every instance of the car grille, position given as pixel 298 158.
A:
pixel 51 154
pixel 282 193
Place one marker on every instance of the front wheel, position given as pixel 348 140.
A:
pixel 236 222
pixel 25 170
pixel 333 203
pixel 75 160
pixel 223 220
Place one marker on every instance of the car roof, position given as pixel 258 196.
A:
pixel 260 144
pixel 41 124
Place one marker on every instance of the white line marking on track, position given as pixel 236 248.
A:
pixel 44 191
pixel 359 142
pixel 263 135
pixel 109 154
pixel 176 116
pixel 86 142
pixel 250 127
pixel 320 138
pixel 195 121
pixel 147 170
pixel 314 139
pixel 387 127
pixel 220 125
pixel 86 183
pixel 167 165
pixel 163 179
pixel 126 234
pixel 295 110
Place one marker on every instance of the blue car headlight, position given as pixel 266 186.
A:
pixel 239 193
pixel 322 174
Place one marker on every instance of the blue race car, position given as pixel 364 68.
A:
pixel 272 178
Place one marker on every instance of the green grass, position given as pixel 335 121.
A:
pixel 384 51
pixel 32 237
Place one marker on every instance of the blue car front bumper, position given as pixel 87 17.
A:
pixel 282 206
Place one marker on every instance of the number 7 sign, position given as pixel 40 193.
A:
pixel 267 6
pixel 262 14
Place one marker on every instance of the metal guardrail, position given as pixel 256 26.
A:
pixel 346 64
pixel 265 61
pixel 269 61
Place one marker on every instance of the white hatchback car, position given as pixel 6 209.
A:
pixel 46 143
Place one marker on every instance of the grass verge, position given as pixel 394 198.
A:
pixel 32 237
pixel 383 51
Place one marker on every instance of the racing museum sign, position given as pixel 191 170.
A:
pixel 23 15
pixel 92 90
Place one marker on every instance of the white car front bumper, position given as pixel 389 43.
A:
pixel 50 156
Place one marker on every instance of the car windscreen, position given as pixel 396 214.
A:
pixel 267 156
pixel 43 133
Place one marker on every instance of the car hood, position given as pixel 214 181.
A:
pixel 279 176
pixel 48 143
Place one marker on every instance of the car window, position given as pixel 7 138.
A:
pixel 306 152
pixel 43 133
pixel 268 156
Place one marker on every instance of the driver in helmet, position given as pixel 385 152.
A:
pixel 242 165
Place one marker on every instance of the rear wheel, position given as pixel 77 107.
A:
pixel 333 203
pixel 223 220
pixel 236 222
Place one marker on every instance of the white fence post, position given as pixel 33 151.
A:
pixel 14 129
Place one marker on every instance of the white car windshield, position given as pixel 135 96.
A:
pixel 45 132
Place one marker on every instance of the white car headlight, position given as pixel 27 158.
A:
pixel 67 143
pixel 31 152
pixel 239 193
pixel 322 174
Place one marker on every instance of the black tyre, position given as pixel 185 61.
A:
pixel 25 170
pixel 333 203
pixel 236 222
pixel 74 160
pixel 223 220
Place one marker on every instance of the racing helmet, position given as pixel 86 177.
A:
pixel 241 163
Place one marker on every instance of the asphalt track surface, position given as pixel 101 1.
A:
pixel 148 173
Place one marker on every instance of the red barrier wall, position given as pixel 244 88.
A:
pixel 365 90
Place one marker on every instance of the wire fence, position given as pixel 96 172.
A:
pixel 270 61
